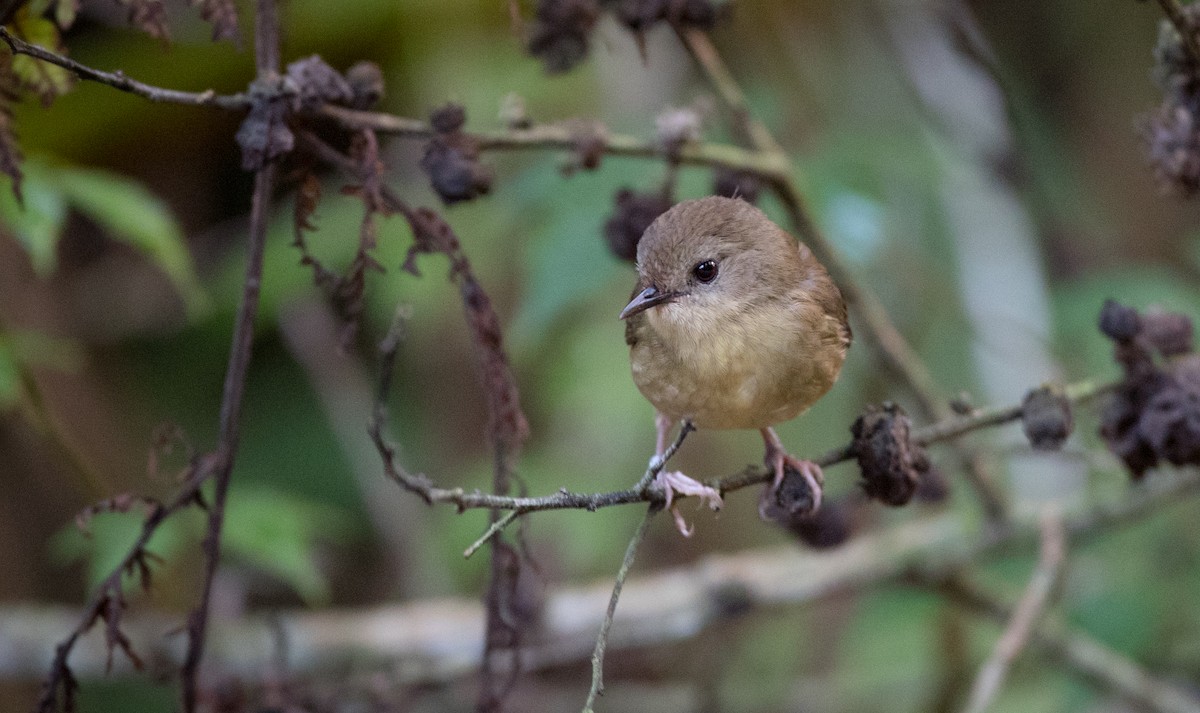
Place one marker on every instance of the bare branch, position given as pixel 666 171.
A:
pixel 565 137
pixel 118 80
pixel 597 687
pixel 1029 609
pixel 1082 654
pixel 266 52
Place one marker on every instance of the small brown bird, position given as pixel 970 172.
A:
pixel 733 324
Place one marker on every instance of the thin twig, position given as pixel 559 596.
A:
pixel 1183 25
pixel 118 80
pixel 656 465
pixel 266 51
pixel 700 46
pixel 493 529
pixel 597 687
pixel 1029 609
pixel 1082 654
pixel 556 136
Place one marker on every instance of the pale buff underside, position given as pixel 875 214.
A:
pixel 737 370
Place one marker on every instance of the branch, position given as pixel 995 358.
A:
pixel 1083 655
pixel 266 55
pixel 118 80
pixel 436 641
pixel 562 137
pixel 597 687
pixel 948 429
pixel 1029 609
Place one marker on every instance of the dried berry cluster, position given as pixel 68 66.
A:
pixel 1046 418
pixel 560 35
pixel 830 526
pixel 736 184
pixel 892 465
pixel 1154 414
pixel 307 85
pixel 633 214
pixel 1172 131
pixel 451 158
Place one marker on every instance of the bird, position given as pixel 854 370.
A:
pixel 732 324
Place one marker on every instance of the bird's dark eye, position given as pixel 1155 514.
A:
pixel 705 271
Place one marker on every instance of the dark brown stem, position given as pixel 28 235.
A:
pixel 118 80
pixel 240 350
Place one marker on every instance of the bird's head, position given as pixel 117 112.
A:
pixel 708 258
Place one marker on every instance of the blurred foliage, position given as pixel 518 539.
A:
pixel 120 277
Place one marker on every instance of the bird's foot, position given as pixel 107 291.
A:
pixel 674 482
pixel 797 495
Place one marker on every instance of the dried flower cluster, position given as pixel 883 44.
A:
pixel 830 526
pixel 1154 414
pixel 1046 418
pixel 1172 131
pixel 451 158
pixel 634 213
pixel 892 465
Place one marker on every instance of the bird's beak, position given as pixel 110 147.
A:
pixel 646 299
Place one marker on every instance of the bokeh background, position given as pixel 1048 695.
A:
pixel 978 164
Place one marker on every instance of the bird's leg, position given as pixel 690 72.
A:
pixel 778 460
pixel 674 481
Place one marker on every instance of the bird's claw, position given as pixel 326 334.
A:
pixel 674 482
pixel 789 499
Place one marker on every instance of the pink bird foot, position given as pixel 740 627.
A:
pixel 674 482
pixel 779 461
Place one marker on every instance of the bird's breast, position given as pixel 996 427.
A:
pixel 740 371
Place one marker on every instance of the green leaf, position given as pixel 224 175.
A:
pixel 39 222
pixel 278 533
pixel 48 80
pixel 132 214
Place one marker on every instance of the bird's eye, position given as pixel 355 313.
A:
pixel 705 271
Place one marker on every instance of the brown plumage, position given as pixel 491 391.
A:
pixel 733 324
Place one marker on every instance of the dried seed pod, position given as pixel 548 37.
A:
pixel 828 527
pixel 633 214
pixel 561 31
pixel 366 84
pixel 317 84
pixel 1169 332
pixel 448 118
pixel 1170 423
pixel 736 184
pixel 1046 418
pixel 1118 322
pixel 451 158
pixel 885 454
